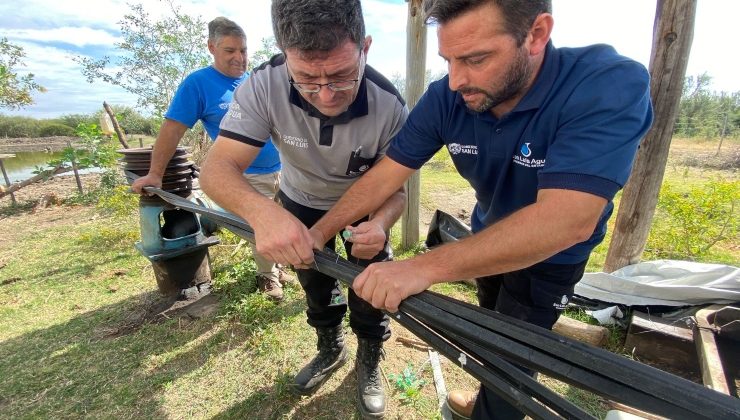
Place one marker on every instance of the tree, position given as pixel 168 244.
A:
pixel 15 91
pixel 399 82
pixel 267 50
pixel 704 113
pixel 155 56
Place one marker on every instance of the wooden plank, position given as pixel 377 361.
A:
pixel 581 331
pixel 6 156
pixel 712 371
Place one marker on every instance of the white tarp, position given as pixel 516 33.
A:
pixel 665 283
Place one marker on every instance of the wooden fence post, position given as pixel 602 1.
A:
pixel 74 169
pixel 5 175
pixel 121 135
pixel 416 47
pixel 672 35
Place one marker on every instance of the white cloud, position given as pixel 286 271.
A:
pixel 79 37
pixel 626 24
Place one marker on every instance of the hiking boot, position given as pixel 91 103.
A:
pixel 332 355
pixel 285 277
pixel 270 287
pixel 369 380
pixel 461 403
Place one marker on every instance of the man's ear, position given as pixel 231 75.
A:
pixel 211 47
pixel 368 42
pixel 539 33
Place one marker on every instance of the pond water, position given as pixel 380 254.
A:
pixel 22 166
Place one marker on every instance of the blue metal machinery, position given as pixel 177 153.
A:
pixel 171 239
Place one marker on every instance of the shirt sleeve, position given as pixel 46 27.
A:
pixel 599 131
pixel 187 105
pixel 421 137
pixel 247 118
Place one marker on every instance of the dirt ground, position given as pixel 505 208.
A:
pixel 25 144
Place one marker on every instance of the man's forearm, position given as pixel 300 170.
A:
pixel 388 213
pixel 375 189
pixel 225 184
pixel 526 237
pixel 169 137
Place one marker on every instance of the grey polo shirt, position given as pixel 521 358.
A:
pixel 321 156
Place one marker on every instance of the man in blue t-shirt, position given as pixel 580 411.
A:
pixel 545 136
pixel 205 95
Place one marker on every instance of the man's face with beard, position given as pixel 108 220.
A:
pixel 485 65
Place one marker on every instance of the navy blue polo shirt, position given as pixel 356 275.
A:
pixel 578 128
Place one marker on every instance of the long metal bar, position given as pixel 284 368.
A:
pixel 542 349
pixel 648 380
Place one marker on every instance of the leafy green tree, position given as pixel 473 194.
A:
pixel 704 113
pixel 15 90
pixel 154 56
pixel 399 82
pixel 267 50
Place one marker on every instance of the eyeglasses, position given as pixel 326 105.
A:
pixel 337 86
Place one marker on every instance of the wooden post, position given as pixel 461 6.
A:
pixel 416 47
pixel 74 169
pixel 121 135
pixel 5 175
pixel 672 36
pixel 18 185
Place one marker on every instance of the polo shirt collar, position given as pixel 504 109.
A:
pixel 543 82
pixel 358 108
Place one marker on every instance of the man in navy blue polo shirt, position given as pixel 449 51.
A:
pixel 545 136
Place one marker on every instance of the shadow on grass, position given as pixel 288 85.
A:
pixel 277 401
pixel 77 368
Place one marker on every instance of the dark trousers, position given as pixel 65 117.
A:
pixel 324 298
pixel 537 295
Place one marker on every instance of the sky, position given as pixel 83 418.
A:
pixel 51 32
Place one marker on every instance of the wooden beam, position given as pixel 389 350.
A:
pixel 672 36
pixel 581 331
pixel 5 176
pixel 712 371
pixel 119 132
pixel 416 47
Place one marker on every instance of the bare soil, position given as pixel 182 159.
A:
pixel 40 144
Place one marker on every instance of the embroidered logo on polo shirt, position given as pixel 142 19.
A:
pixel 465 149
pixel 235 111
pixel 294 141
pixel 562 304
pixel 524 158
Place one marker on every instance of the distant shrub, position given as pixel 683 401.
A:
pixel 55 129
pixel 14 126
pixel 74 120
pixel 689 222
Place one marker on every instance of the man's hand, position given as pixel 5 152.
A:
pixel 384 285
pixel 147 180
pixel 368 239
pixel 282 238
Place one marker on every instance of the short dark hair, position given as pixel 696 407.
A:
pixel 519 14
pixel 317 25
pixel 221 27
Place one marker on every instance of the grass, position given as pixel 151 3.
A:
pixel 75 339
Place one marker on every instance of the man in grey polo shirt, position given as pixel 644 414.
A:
pixel 331 117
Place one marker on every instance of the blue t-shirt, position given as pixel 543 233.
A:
pixel 577 128
pixel 205 95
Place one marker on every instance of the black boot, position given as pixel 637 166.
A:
pixel 332 355
pixel 369 380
